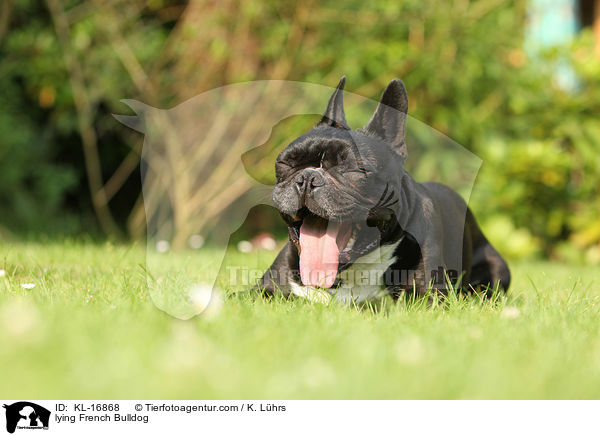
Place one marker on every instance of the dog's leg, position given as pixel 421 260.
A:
pixel 488 268
pixel 285 268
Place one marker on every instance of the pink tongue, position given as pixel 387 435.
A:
pixel 319 253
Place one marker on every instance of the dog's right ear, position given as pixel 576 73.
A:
pixel 334 114
pixel 389 119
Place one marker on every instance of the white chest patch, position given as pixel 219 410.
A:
pixel 362 281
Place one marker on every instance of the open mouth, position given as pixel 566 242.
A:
pixel 327 247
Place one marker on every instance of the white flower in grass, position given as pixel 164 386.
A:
pixel 510 312
pixel 20 319
pixel 206 301
pixel 245 246
pixel 410 350
pixel 162 246
pixel 28 285
pixel 2 273
pixel 196 241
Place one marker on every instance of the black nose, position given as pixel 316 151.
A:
pixel 309 180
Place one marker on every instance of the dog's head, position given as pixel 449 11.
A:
pixel 338 189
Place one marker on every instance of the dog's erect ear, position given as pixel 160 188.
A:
pixel 334 114
pixel 389 118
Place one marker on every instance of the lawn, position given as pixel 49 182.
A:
pixel 88 329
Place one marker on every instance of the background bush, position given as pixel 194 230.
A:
pixel 463 63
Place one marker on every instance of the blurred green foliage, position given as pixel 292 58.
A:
pixel 541 166
pixel 462 61
pixel 33 181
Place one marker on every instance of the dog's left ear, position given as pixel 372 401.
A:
pixel 334 114
pixel 389 119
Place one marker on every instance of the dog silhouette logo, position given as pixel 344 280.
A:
pixel 26 415
pixel 204 169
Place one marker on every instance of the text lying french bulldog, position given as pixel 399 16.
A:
pixel 360 225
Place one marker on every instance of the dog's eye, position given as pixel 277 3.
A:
pixel 332 159
pixel 356 172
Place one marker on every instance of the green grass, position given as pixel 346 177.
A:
pixel 90 330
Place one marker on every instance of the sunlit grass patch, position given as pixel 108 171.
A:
pixel 89 329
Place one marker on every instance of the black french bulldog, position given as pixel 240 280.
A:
pixel 360 226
